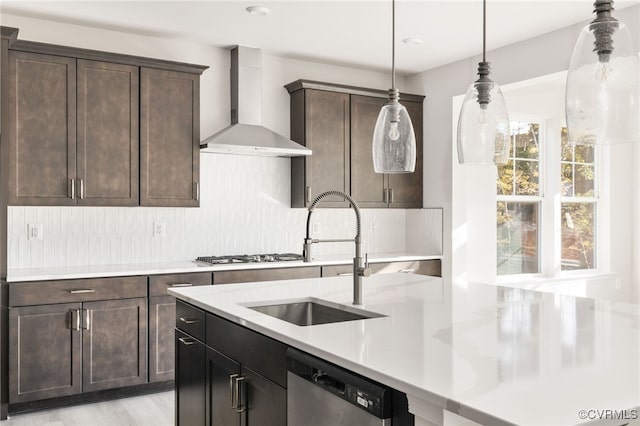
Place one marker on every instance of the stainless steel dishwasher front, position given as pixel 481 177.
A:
pixel 322 394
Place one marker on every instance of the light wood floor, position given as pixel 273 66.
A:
pixel 149 410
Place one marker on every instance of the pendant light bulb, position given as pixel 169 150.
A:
pixel 602 101
pixel 483 127
pixel 394 140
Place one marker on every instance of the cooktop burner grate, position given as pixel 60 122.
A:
pixel 250 258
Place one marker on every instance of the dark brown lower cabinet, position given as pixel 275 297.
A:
pixel 162 319
pixel 191 381
pixel 45 348
pixel 266 402
pixel 243 382
pixel 222 375
pixel 65 349
pixel 114 344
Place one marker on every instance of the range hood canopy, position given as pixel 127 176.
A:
pixel 246 135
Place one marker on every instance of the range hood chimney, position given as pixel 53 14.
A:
pixel 246 135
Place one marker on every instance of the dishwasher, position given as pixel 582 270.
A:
pixel 322 394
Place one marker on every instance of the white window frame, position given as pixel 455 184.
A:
pixel 550 202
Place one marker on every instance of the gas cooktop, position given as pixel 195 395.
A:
pixel 249 258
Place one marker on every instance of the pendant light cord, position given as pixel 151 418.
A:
pixel 484 30
pixel 393 44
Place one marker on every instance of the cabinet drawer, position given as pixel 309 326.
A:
pixel 420 267
pixel 260 353
pixel 274 274
pixel 337 270
pixel 69 291
pixel 190 319
pixel 158 284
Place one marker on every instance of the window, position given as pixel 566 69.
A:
pixel 578 205
pixel 519 199
pixel 525 195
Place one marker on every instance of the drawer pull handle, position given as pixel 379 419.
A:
pixel 82 291
pixel 181 285
pixel 189 320
pixel 345 274
pixel 407 271
pixel 186 341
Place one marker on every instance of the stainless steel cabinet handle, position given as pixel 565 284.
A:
pixel 189 320
pixel 385 196
pixel 197 190
pixel 239 394
pixel 307 194
pixel 73 188
pixel 81 189
pixel 407 271
pixel 75 312
pixel 186 341
pixel 82 290
pixel 232 393
pixel 391 196
pixel 345 274
pixel 181 285
pixel 87 324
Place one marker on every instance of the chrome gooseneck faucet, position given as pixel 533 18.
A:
pixel 360 265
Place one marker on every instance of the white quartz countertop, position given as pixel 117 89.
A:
pixel 98 271
pixel 492 354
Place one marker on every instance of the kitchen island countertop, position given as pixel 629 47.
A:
pixel 491 354
pixel 187 266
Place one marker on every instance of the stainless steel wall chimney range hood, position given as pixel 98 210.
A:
pixel 246 135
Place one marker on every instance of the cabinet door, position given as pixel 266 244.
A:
pixel 42 129
pixel 170 138
pixel 221 371
pixel 114 343
pixel 266 401
pixel 406 189
pixel 368 188
pixel 107 152
pixel 191 380
pixel 324 128
pixel 162 319
pixel 44 358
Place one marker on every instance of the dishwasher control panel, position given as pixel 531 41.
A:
pixel 359 391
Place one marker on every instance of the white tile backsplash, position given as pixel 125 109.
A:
pixel 244 209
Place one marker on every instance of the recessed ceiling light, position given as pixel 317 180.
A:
pixel 258 10
pixel 412 40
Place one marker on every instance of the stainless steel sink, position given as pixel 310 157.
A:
pixel 313 312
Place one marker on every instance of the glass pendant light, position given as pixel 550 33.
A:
pixel 483 126
pixel 394 141
pixel 603 91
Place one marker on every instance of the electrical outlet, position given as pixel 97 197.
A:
pixel 35 232
pixel 159 229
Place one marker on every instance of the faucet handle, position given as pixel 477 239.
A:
pixel 366 271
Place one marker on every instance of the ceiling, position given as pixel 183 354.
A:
pixel 353 33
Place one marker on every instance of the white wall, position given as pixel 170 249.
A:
pixel 245 200
pixel 445 181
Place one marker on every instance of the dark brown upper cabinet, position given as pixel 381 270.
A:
pixel 42 129
pixel 74 131
pixel 75 135
pixel 170 138
pixel 371 189
pixel 107 152
pixel 320 120
pixel 337 123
